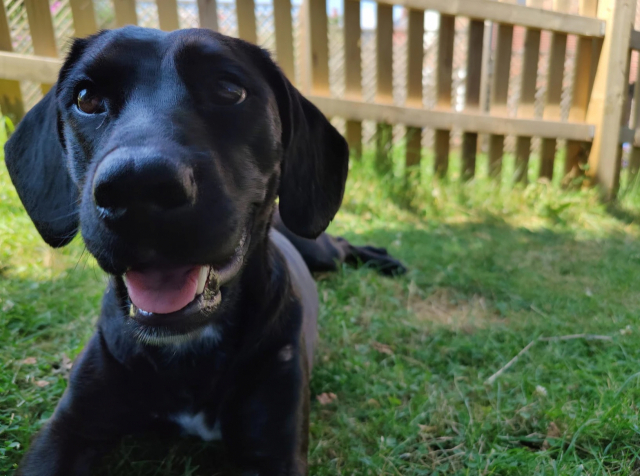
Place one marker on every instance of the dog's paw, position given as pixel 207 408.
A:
pixel 379 259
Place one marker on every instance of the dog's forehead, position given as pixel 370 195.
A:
pixel 135 47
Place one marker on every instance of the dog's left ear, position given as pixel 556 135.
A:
pixel 315 164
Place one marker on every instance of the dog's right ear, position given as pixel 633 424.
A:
pixel 37 167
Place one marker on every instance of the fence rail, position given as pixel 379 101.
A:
pixel 532 79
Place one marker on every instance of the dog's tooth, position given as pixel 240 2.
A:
pixel 202 279
pixel 132 310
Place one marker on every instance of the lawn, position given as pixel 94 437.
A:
pixel 492 269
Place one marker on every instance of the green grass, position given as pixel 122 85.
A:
pixel 491 269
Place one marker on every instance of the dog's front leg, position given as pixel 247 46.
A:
pixel 58 452
pixel 265 418
pixel 90 417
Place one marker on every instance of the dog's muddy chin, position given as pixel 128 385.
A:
pixel 173 303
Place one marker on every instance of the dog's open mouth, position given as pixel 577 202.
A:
pixel 181 296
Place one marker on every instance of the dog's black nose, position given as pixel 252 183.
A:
pixel 129 179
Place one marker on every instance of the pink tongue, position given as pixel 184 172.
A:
pixel 162 291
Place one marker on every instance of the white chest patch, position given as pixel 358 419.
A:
pixel 196 425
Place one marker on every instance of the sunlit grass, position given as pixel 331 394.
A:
pixel 492 267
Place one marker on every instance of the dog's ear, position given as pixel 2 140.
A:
pixel 315 164
pixel 37 167
pixel 314 168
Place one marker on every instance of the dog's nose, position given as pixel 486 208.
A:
pixel 127 180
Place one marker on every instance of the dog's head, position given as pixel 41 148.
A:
pixel 168 151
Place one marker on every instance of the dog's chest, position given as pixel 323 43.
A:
pixel 197 424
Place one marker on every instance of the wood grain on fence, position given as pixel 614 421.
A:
pixel 208 14
pixel 552 108
pixel 415 58
pixel 434 119
pixel 528 84
pixel 586 55
pixel 246 15
pixel 604 36
pixel 41 27
pixel 316 50
pixel 353 70
pixel 40 69
pixel 125 11
pixel 499 94
pixel 284 37
pixel 444 71
pixel 472 94
pixel 384 86
pixel 11 103
pixel 609 89
pixel 168 15
pixel 510 14
pixel 84 18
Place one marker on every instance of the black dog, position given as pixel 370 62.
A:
pixel 168 151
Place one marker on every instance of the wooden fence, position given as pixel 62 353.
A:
pixel 594 129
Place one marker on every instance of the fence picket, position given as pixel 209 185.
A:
pixel 384 74
pixel 41 28
pixel 84 18
pixel 415 55
pixel 443 89
pixel 284 37
pixel 168 15
pixel 552 111
pixel 499 94
pixel 11 103
pixel 246 14
pixel 609 89
pixel 583 75
pixel 316 58
pixel 125 11
pixel 208 14
pixel 353 70
pixel 472 94
pixel 526 105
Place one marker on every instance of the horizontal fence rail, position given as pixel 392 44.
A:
pixel 549 79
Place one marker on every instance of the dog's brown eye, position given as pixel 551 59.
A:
pixel 227 93
pixel 89 102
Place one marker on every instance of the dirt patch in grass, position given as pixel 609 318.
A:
pixel 444 307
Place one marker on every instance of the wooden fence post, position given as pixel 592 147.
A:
pixel 246 15
pixel 41 28
pixel 168 15
pixel 353 70
pixel 11 104
pixel 284 37
pixel 583 75
pixel 609 93
pixel 475 48
pixel 208 14
pixel 84 18
pixel 125 11
pixel 384 86
pixel 315 64
pixel 552 109
pixel 444 68
pixel 527 103
pixel 499 94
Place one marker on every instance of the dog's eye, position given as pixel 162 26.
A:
pixel 227 93
pixel 89 102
